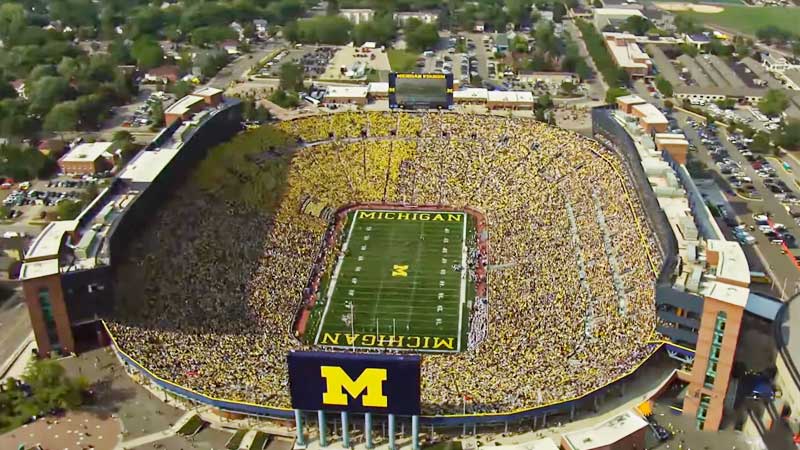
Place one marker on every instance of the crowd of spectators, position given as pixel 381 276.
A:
pixel 208 294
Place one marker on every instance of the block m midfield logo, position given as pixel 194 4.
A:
pixel 354 382
pixel 369 383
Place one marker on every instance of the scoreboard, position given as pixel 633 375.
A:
pixel 420 90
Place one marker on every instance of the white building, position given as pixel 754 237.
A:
pixel 357 16
pixel 613 16
pixel 423 16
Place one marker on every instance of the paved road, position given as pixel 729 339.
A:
pixel 238 68
pixel 597 85
pixel 15 326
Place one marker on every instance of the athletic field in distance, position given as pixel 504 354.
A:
pixel 398 283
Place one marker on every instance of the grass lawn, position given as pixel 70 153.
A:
pixel 235 440
pixel 396 286
pixel 260 441
pixel 401 60
pixel 192 426
pixel 748 20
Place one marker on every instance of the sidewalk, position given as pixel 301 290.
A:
pixel 15 365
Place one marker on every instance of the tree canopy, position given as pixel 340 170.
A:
pixel 774 103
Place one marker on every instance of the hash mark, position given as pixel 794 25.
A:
pixel 366 238
pixel 354 280
pixel 444 250
pixel 363 247
pixel 358 268
pixel 351 292
pixel 442 272
pixel 360 257
pixel 440 296
pixel 444 260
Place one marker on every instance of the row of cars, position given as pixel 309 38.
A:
pixel 33 197
pixel 765 171
pixel 141 117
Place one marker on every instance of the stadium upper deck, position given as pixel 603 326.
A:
pixel 84 247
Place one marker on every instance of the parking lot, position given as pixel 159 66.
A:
pixel 755 209
pixel 140 116
pixel 32 200
pixel 315 60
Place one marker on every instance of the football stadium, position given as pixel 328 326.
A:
pixel 513 257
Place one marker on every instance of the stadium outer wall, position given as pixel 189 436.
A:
pixel 667 245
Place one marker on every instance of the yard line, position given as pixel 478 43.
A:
pixel 334 278
pixel 463 293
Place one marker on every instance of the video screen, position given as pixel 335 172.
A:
pixel 422 91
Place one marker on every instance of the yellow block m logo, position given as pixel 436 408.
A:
pixel 400 270
pixel 337 382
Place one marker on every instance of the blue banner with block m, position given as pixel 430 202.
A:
pixel 357 383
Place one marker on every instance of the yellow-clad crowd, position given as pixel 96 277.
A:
pixel 209 293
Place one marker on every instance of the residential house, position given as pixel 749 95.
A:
pixel 230 46
pixel 163 74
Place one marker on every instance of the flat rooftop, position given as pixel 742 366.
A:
pixel 732 263
pixel 631 99
pixel 347 91
pixel 381 87
pixel 207 91
pixel 509 96
pixel 725 292
pixel 87 152
pixel 184 105
pixel 650 113
pixel 48 242
pixel 628 53
pixel 471 94
pixel 39 269
pixel 605 433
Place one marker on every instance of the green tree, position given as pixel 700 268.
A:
pixel 774 102
pixel 12 20
pixel 332 8
pixel 147 53
pixel 636 25
pixel 284 99
pixel 664 86
pixel 423 37
pixel 291 77
pixel 381 30
pixel 559 12
pixel 614 92
pixel 157 114
pixel 69 209
pixel 761 143
pixel 788 136
pixel 124 141
pixel 519 11
pixel 181 88
pixel 63 117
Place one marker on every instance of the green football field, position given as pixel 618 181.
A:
pixel 397 284
pixel 749 19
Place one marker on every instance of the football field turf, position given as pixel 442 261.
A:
pixel 397 284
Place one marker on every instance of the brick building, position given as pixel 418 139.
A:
pixel 88 158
